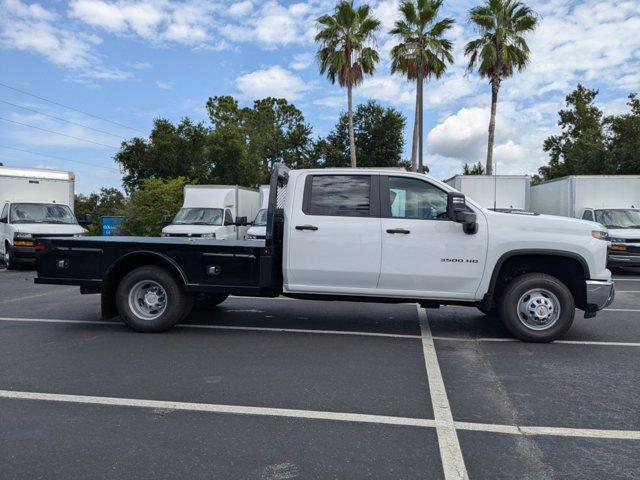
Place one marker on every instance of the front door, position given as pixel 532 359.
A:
pixel 334 236
pixel 424 254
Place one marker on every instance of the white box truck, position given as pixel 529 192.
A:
pixel 34 203
pixel 611 200
pixel 214 211
pixel 500 192
pixel 258 229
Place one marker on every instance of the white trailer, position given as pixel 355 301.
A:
pixel 494 191
pixel 612 200
pixel 214 211
pixel 34 203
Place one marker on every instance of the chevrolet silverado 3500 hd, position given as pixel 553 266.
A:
pixel 357 235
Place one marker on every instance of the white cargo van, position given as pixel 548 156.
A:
pixel 258 229
pixel 611 200
pixel 214 211
pixel 34 203
pixel 498 192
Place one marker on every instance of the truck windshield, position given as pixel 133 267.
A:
pixel 261 218
pixel 198 216
pixel 41 213
pixel 619 218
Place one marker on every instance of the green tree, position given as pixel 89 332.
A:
pixel 581 146
pixel 421 54
pixel 623 142
pixel 153 199
pixel 474 169
pixel 378 134
pixel 346 53
pixel 170 151
pixel 274 130
pixel 500 50
pixel 109 202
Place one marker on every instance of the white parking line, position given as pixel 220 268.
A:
pixel 217 408
pixel 318 415
pixel 322 332
pixel 621 310
pixel 622 279
pixel 627 291
pixel 38 295
pixel 550 431
pixel 221 327
pixel 450 452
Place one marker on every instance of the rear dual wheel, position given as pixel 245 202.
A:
pixel 150 299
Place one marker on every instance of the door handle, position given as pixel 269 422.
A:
pixel 306 227
pixel 398 230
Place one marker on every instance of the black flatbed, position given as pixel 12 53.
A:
pixel 201 266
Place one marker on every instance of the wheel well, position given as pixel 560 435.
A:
pixel 569 271
pixel 125 265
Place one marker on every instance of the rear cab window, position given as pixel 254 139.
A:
pixel 341 195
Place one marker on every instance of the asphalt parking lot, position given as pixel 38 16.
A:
pixel 284 389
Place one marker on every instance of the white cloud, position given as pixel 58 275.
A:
pixel 188 22
pixel 301 61
pixel 462 137
pixel 274 25
pixel 239 9
pixel 273 81
pixel 164 85
pixel 387 88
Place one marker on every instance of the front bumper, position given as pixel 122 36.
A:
pixel 23 254
pixel 600 294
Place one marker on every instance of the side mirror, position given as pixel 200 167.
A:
pixel 457 212
pixel 166 220
pixel 85 220
pixel 241 221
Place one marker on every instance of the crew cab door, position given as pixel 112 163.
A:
pixel 333 237
pixel 424 254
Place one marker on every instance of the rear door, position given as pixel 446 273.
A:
pixel 334 235
pixel 424 254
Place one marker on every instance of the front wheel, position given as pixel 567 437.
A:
pixel 150 299
pixel 536 307
pixel 8 258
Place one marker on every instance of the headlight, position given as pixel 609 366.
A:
pixel 208 235
pixel 78 235
pixel 250 236
pixel 22 235
pixel 600 235
pixel 616 240
pixel 165 235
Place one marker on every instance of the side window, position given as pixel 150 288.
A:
pixel 338 195
pixel 5 212
pixel 413 198
pixel 227 216
pixel 587 215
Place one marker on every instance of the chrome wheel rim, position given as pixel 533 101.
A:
pixel 538 309
pixel 147 300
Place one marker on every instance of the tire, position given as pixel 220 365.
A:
pixel 169 302
pixel 536 307
pixel 210 301
pixel 8 259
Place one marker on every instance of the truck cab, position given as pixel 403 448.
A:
pixel 22 223
pixel 623 225
pixel 213 212
pixel 357 235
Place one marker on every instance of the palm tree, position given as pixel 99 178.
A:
pixel 422 53
pixel 500 49
pixel 346 53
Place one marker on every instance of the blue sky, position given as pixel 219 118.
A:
pixel 130 61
